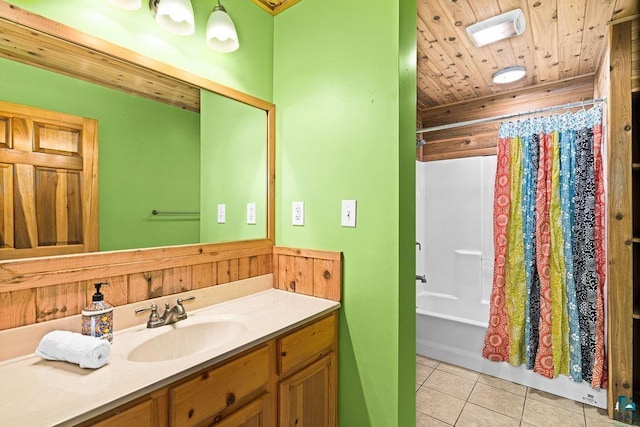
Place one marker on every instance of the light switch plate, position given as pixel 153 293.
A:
pixel 222 215
pixel 348 213
pixel 251 213
pixel 297 213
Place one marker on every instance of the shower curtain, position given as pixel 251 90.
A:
pixel 547 306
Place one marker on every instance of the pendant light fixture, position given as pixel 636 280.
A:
pixel 221 33
pixel 126 4
pixel 175 16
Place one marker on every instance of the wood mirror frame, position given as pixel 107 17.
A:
pixel 35 40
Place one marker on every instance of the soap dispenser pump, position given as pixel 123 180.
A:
pixel 97 317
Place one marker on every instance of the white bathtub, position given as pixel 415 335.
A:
pixel 459 341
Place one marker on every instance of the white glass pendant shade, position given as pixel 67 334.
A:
pixel 126 4
pixel 175 16
pixel 221 33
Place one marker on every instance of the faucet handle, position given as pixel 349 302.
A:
pixel 154 318
pixel 153 309
pixel 181 300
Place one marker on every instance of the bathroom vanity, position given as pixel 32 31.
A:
pixel 278 368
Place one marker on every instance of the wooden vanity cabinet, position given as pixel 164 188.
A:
pixel 307 389
pixel 287 381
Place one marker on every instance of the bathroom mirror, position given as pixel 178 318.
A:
pixel 169 141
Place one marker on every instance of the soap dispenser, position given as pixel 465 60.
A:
pixel 97 317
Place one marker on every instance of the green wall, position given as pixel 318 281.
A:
pixel 148 155
pixel 234 168
pixel 344 87
pixel 342 74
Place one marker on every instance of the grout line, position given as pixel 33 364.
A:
pixel 524 405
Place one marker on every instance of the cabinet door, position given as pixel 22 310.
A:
pixel 254 414
pixel 308 398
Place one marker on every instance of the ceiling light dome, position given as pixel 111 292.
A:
pixel 509 75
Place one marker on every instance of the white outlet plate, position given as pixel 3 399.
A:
pixel 251 213
pixel 297 213
pixel 348 213
pixel 222 214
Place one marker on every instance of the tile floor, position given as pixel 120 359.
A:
pixel 448 395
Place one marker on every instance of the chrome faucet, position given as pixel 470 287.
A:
pixel 171 314
pixel 422 278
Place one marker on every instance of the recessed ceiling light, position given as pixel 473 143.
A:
pixel 496 28
pixel 509 75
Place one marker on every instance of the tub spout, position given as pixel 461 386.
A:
pixel 421 278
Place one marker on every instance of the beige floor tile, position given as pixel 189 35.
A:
pixel 450 384
pixel 497 400
pixel 422 373
pixel 557 401
pixel 423 420
pixel 593 412
pixel 423 360
pixel 477 416
pixel 523 424
pixel 457 370
pixel 438 405
pixel 418 385
pixel 503 384
pixel 542 414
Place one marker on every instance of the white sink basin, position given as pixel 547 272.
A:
pixel 184 339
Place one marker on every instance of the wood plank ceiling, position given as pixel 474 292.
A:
pixel 562 39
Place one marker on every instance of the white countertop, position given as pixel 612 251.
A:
pixel 37 392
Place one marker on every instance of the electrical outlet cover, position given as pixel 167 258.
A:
pixel 297 214
pixel 348 213
pixel 251 213
pixel 222 216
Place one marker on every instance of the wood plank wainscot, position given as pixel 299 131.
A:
pixel 308 272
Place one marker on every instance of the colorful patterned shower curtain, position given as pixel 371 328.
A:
pixel 547 305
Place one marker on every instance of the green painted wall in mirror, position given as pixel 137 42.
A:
pixel 149 155
pixel 233 137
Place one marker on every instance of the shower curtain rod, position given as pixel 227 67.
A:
pixel 510 115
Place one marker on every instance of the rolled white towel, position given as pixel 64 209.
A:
pixel 88 352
